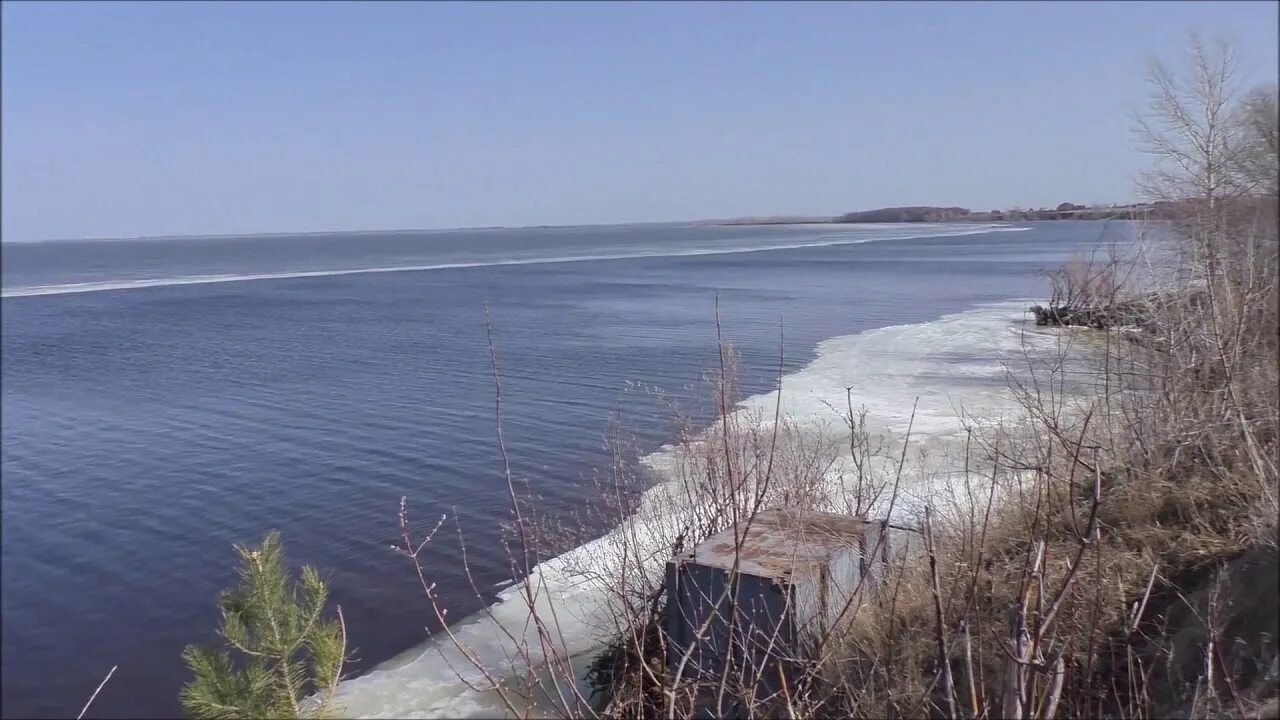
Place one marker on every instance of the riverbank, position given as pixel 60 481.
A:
pixel 930 214
pixel 583 593
pixel 1105 573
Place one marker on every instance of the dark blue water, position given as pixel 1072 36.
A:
pixel 146 430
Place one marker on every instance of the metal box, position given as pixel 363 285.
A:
pixel 761 594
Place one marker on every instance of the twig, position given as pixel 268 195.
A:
pixel 1057 674
pixel 1142 606
pixel 95 692
pixel 940 635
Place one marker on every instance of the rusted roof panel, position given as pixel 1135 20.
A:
pixel 780 543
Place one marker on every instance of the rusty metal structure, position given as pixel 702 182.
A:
pixel 748 605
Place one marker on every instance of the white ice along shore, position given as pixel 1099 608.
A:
pixel 958 362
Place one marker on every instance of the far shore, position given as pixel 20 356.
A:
pixel 899 215
pixel 929 214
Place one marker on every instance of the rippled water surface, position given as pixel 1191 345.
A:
pixel 163 399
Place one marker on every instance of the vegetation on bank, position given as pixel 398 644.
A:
pixel 1102 559
pixel 1099 556
pixel 283 656
pixel 1159 210
pixel 929 213
pixel 1162 210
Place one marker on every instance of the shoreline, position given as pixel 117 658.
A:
pixel 1118 214
pixel 1113 212
pixel 420 679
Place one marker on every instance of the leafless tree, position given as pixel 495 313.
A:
pixel 1188 127
pixel 1259 148
pixel 1034 600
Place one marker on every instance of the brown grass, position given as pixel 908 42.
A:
pixel 1083 572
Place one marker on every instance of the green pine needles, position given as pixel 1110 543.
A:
pixel 285 657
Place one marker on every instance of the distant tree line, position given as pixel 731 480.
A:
pixel 905 214
pixel 1064 211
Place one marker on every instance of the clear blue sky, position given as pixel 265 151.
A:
pixel 141 119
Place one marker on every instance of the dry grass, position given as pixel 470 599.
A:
pixel 1090 537
pixel 1069 594
pixel 1079 573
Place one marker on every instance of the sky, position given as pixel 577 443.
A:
pixel 123 120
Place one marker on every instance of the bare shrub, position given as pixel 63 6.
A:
pixel 1046 584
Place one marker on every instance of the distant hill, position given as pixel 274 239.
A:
pixel 905 214
pixel 1069 211
pixel 1064 211
pixel 930 213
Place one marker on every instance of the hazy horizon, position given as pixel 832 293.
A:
pixel 143 120
pixel 386 231
pixel 428 230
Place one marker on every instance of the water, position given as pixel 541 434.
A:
pixel 165 398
